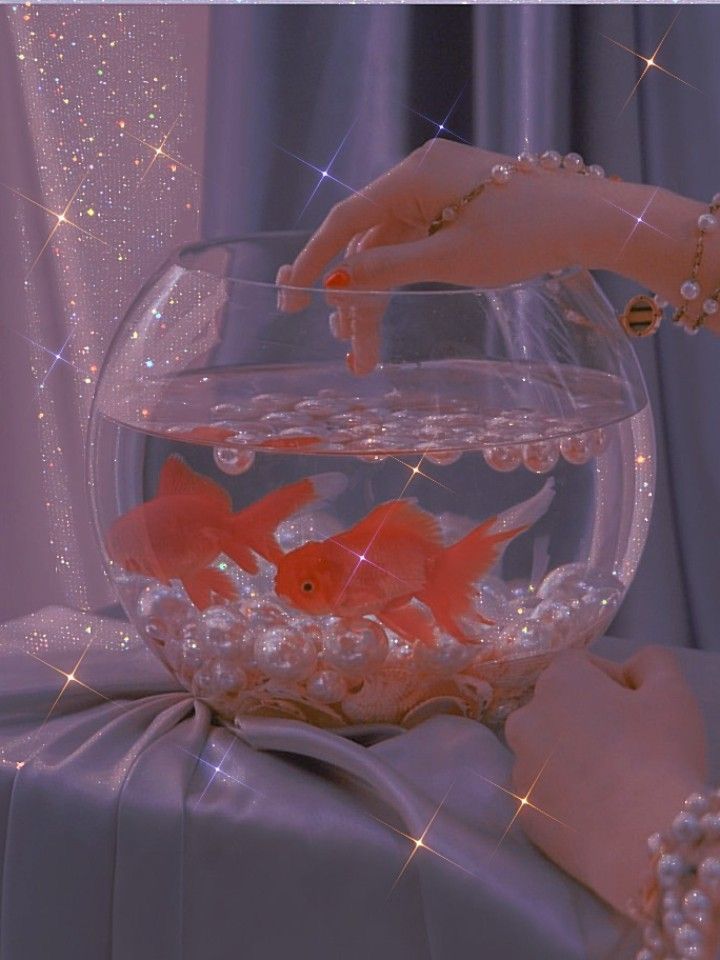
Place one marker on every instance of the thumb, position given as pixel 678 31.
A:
pixel 380 268
pixel 651 663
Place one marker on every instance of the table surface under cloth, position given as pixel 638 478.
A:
pixel 121 841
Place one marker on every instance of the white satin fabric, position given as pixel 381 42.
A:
pixel 121 841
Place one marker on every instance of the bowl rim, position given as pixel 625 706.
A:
pixel 198 246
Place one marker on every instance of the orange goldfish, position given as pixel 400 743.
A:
pixel 182 530
pixel 396 553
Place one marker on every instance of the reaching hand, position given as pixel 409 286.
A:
pixel 509 233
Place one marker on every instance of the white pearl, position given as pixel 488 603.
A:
pixel 670 901
pixel 355 646
pixel 573 161
pixel 284 653
pixel 540 457
pixel 654 843
pixel 646 954
pixel 576 449
pixel 695 902
pixel 686 827
pixel 697 803
pixel 501 173
pixel 669 869
pixel 550 160
pixel 327 686
pixel 689 289
pixel 218 679
pixel 710 306
pixel 691 331
pixel 716 199
pixel 695 951
pixel 449 213
pixel 673 921
pixel 660 301
pixel 687 936
pixel 232 461
pixel 710 823
pixel 595 170
pixel 503 459
pixel 707 222
pixel 526 160
pixel 708 875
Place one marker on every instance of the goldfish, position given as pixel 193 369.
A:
pixel 396 556
pixel 190 521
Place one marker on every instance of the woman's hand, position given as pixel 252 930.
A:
pixel 511 232
pixel 623 747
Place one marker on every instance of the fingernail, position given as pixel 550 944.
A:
pixel 338 279
pixel 350 362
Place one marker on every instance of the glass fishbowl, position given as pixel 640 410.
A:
pixel 294 539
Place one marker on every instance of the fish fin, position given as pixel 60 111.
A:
pixel 239 554
pixel 200 586
pixel 409 621
pixel 449 590
pixel 176 477
pixel 399 518
pixel 255 526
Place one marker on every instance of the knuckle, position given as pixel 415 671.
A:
pixel 516 726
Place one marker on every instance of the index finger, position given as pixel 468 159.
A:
pixel 353 215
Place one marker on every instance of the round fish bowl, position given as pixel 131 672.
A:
pixel 294 539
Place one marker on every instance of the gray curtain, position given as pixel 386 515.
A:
pixel 295 80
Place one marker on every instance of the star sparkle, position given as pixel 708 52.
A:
pixel 57 356
pixel 442 126
pixel 158 150
pixel 219 771
pixel 325 172
pixel 639 219
pixel 61 220
pixel 71 677
pixel 524 802
pixel 650 62
pixel 418 843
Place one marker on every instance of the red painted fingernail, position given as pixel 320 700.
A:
pixel 338 279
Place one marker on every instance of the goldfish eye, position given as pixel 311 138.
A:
pixel 308 586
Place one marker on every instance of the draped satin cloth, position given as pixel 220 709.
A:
pixel 121 840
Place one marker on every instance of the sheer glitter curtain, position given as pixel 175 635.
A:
pixel 292 80
pixel 81 88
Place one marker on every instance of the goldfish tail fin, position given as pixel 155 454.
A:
pixel 201 586
pixel 176 477
pixel 255 526
pixel 449 589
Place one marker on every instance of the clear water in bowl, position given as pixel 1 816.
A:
pixel 298 543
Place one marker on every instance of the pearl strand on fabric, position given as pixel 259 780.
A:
pixel 680 908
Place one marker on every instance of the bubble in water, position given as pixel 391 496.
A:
pixel 222 631
pixel 567 582
pixel 217 679
pixel 503 459
pixel 529 638
pixel 576 449
pixel 327 686
pixel 232 461
pixel 164 603
pixel 187 655
pixel 492 599
pixel 285 653
pixel 444 459
pixel 540 457
pixel 557 617
pixel 444 655
pixel 355 646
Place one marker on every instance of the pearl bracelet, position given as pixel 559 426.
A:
pixel 501 174
pixel 680 907
pixel 643 313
